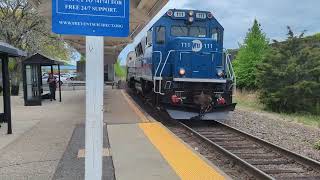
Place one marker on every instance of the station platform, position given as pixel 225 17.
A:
pixel 136 147
pixel 142 148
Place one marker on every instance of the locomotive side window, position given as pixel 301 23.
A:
pixel 197 31
pixel 139 51
pixel 214 34
pixel 220 37
pixel 179 31
pixel 149 38
pixel 160 35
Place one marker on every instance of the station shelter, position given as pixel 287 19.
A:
pixel 34 81
pixel 7 51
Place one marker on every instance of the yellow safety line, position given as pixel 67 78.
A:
pixel 186 163
pixel 143 118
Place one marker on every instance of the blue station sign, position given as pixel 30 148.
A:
pixel 91 17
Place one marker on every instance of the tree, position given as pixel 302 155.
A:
pixel 23 27
pixel 289 76
pixel 119 71
pixel 250 54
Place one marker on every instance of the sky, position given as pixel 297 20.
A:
pixel 237 16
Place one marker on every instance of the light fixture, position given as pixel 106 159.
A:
pixel 220 73
pixel 170 13
pixel 191 13
pixel 210 16
pixel 182 71
pixel 191 19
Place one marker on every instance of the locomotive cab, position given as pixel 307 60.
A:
pixel 184 67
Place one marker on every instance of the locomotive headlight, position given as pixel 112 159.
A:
pixel 220 73
pixel 191 13
pixel 182 71
pixel 191 19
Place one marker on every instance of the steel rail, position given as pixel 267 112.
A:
pixel 308 162
pixel 299 158
pixel 248 167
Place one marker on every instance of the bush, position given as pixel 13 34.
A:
pixel 289 76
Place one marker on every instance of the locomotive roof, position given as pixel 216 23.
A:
pixel 188 10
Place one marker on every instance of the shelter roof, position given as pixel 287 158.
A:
pixel 6 48
pixel 43 60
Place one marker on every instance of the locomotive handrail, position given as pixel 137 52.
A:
pixel 159 61
pixel 154 79
pixel 165 63
pixel 231 71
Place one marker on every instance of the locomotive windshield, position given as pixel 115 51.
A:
pixel 190 31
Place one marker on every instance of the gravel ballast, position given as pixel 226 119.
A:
pixel 290 135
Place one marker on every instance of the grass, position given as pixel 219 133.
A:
pixel 249 100
pixel 317 145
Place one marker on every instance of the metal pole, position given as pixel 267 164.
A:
pixel 51 69
pixel 59 82
pixel 6 93
pixel 94 107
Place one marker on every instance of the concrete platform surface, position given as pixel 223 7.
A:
pixel 134 157
pixel 117 109
pixel 44 134
pixel 72 166
pixel 148 150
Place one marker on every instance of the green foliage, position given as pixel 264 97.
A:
pixel 317 145
pixel 289 76
pixel 12 65
pixel 23 27
pixel 120 71
pixel 83 58
pixel 250 54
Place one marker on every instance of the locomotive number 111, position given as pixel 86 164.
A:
pixel 189 45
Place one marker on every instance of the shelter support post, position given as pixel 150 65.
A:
pixel 6 92
pixel 59 82
pixel 94 107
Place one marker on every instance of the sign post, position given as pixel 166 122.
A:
pixel 94 107
pixel 94 19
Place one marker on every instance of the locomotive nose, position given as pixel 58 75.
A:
pixel 194 57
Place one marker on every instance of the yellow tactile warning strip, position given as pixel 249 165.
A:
pixel 187 164
pixel 143 118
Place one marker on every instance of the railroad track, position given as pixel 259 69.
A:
pixel 261 159
pixel 238 154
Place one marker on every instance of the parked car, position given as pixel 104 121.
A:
pixel 63 79
pixel 71 76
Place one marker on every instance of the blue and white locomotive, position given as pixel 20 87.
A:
pixel 182 66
